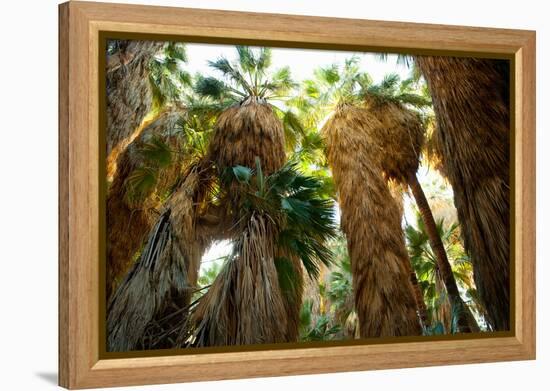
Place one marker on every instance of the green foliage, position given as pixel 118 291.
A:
pixel 167 74
pixel 287 277
pixel 211 87
pixel 156 150
pixel 208 276
pixel 329 313
pixel 393 89
pixel 318 328
pixel 247 76
pixel 140 183
pixel 424 263
pixel 304 218
pixel 331 86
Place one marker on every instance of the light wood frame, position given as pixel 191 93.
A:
pixel 80 365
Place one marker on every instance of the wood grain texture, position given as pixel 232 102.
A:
pixel 80 365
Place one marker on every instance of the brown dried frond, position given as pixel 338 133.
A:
pixel 398 141
pixel 246 131
pixel 162 281
pixel 244 305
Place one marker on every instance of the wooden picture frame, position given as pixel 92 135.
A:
pixel 80 25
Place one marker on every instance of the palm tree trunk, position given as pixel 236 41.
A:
pixel 384 298
pixel 472 107
pixel 464 317
pixel 245 304
pixel 419 298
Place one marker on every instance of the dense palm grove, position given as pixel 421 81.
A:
pixel 308 181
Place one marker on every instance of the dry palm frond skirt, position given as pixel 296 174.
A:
pixel 246 131
pixel 398 140
pixel 245 304
pixel 471 102
pixel 384 297
pixel 149 306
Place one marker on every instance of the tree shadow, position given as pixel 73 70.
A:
pixel 49 377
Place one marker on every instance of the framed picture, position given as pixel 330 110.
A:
pixel 246 195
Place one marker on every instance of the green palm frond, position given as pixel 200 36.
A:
pixel 247 76
pixel 305 219
pixel 167 76
pixel 232 73
pixel 141 182
pixel 329 75
pixel 402 59
pixel 177 51
pixel 393 89
pixel 293 128
pixel 287 277
pixel 156 151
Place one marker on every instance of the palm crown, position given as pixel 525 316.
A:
pixel 246 77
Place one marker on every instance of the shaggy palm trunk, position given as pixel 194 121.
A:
pixel 384 298
pixel 244 305
pixel 464 316
pixel 471 102
pixel 129 221
pixel 129 94
pixel 163 279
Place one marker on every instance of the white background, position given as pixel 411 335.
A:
pixel 28 193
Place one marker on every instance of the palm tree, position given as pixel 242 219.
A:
pixel 384 298
pixel 253 126
pixel 401 138
pixel 130 208
pixel 147 173
pixel 137 147
pixel 281 220
pixel 472 106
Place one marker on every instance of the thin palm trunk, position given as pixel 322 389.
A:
pixel 471 103
pixel 419 298
pixel 465 320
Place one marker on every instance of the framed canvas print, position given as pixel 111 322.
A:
pixel 247 195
